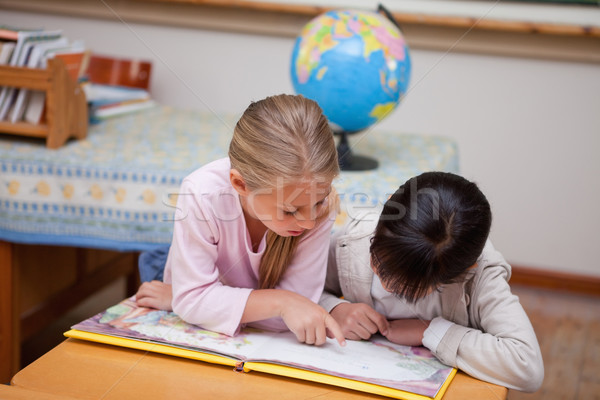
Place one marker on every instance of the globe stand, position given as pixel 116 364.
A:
pixel 349 161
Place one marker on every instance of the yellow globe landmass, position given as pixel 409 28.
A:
pixel 382 110
pixel 321 72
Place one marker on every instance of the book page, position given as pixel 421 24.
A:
pixel 378 361
pixel 128 320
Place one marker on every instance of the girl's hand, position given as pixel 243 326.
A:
pixel 359 321
pixel 309 321
pixel 155 294
pixel 407 332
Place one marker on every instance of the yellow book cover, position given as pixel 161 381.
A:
pixel 375 366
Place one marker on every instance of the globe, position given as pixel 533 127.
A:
pixel 356 66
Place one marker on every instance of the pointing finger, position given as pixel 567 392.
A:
pixel 334 328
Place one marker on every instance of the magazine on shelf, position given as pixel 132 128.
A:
pixel 6 51
pixel 36 55
pixel 72 54
pixel 19 57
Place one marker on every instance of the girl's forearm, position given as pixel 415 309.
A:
pixel 264 304
pixel 407 332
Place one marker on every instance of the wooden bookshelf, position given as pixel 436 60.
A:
pixel 66 108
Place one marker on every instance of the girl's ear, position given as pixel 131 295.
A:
pixel 238 182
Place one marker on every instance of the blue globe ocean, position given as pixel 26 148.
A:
pixel 355 64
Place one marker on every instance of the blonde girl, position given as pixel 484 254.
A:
pixel 251 231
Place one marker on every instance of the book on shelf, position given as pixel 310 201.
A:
pixel 8 41
pixel 12 33
pixel 32 49
pixel 36 58
pixel 376 366
pixel 6 50
pixel 74 55
pixel 26 40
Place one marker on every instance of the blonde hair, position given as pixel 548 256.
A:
pixel 283 139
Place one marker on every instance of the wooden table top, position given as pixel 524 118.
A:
pixel 86 370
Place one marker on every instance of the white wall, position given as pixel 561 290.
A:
pixel 528 130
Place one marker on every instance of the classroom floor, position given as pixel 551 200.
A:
pixel 567 326
pixel 568 330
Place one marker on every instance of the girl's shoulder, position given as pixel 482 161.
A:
pixel 208 191
pixel 217 168
pixel 492 271
pixel 491 261
pixel 209 178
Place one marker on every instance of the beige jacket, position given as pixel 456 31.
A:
pixel 484 330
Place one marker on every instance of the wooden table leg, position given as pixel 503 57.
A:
pixel 9 321
pixel 133 278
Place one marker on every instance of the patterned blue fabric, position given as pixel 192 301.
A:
pixel 117 188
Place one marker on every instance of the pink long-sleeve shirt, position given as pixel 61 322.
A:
pixel 211 263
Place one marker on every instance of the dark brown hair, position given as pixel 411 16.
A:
pixel 429 233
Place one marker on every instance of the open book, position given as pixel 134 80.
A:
pixel 376 366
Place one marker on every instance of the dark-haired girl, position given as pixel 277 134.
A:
pixel 423 272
